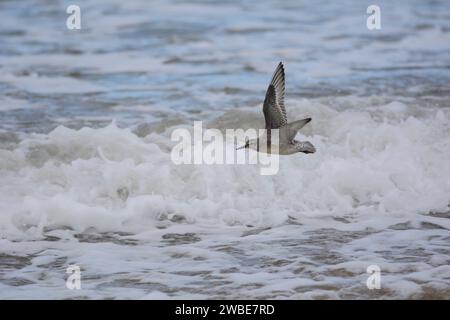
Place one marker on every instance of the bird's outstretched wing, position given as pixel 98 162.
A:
pixel 288 132
pixel 274 111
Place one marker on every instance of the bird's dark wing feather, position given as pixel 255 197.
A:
pixel 274 111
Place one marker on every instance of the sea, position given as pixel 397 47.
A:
pixel 88 183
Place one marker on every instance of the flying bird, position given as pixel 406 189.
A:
pixel 275 117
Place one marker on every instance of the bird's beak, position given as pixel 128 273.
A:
pixel 244 146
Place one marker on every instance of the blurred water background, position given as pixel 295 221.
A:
pixel 85 172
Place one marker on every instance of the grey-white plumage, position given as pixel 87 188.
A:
pixel 276 118
pixel 273 108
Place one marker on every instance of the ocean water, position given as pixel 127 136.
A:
pixel 86 176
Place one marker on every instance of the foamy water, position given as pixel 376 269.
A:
pixel 87 178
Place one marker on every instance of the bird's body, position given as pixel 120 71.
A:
pixel 275 118
pixel 267 142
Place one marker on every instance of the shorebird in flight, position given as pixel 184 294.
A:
pixel 275 116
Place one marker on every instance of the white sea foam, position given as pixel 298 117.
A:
pixel 372 169
pixel 363 166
